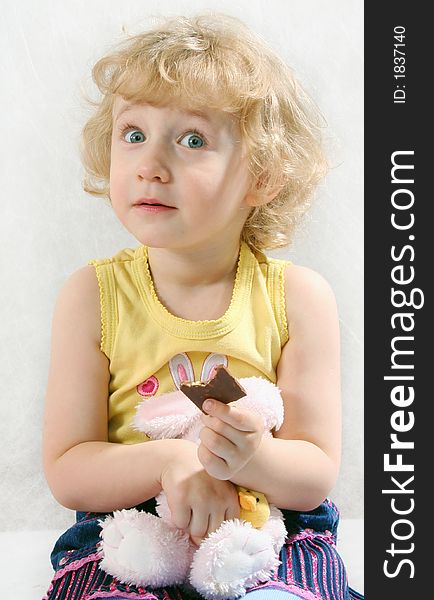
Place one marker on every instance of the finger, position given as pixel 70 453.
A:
pixel 225 430
pixel 213 465
pixel 233 508
pixel 199 524
pixel 197 541
pixel 238 418
pixel 232 512
pixel 215 520
pixel 181 516
pixel 217 444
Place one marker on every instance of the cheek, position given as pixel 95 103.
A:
pixel 240 176
pixel 234 176
pixel 200 189
pixel 117 180
pixel 115 193
pixel 118 193
pixel 214 181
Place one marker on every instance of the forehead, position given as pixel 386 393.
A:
pixel 212 116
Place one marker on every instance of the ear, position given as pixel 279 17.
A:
pixel 167 415
pixel 258 197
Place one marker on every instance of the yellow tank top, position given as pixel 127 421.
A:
pixel 151 351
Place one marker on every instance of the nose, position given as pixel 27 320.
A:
pixel 153 165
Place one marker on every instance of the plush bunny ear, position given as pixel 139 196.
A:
pixel 166 416
pixel 264 398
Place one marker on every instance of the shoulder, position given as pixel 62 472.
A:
pixel 80 286
pixel 306 281
pixel 308 295
pixel 78 302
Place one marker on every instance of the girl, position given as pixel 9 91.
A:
pixel 208 151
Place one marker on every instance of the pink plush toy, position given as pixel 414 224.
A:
pixel 146 550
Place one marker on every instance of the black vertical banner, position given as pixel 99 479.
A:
pixel 399 258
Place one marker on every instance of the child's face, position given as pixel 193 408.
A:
pixel 192 166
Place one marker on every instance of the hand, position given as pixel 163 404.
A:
pixel 229 438
pixel 198 503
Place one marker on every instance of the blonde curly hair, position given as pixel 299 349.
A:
pixel 217 62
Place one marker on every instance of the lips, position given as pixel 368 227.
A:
pixel 151 202
pixel 152 206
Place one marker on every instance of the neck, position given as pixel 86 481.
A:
pixel 193 268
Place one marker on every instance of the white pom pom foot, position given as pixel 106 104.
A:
pixel 234 557
pixel 275 528
pixel 140 548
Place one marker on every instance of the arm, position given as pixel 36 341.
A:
pixel 299 466
pixel 84 470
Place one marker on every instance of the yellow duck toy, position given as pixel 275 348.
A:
pixel 254 507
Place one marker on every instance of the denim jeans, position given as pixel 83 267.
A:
pixel 265 594
pixel 312 537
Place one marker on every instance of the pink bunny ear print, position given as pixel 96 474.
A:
pixel 181 369
pixel 210 364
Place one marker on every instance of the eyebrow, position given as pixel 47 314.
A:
pixel 125 108
pixel 194 113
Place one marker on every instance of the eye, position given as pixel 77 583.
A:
pixel 192 140
pixel 131 134
pixel 134 137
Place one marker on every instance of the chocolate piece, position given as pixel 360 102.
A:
pixel 222 387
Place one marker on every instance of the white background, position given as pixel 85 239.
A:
pixel 49 227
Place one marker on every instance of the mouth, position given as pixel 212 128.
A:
pixel 152 204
